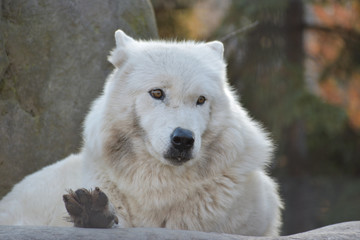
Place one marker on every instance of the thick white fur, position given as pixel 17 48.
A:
pixel 224 188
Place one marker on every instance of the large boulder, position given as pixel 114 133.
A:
pixel 343 231
pixel 52 65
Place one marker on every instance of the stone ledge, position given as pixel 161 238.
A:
pixel 341 231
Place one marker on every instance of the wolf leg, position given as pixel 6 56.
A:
pixel 90 209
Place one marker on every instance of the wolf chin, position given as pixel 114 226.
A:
pixel 167 144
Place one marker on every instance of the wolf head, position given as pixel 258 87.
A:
pixel 170 102
pixel 169 90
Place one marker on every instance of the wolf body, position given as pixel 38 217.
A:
pixel 169 144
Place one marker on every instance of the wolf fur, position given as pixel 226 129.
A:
pixel 222 188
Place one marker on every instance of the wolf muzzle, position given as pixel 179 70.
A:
pixel 182 139
pixel 182 142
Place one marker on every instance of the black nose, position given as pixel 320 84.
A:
pixel 182 139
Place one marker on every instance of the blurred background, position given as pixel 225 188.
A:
pixel 296 67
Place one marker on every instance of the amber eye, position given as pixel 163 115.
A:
pixel 157 94
pixel 201 100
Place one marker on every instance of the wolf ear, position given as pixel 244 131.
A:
pixel 216 46
pixel 122 39
pixel 119 55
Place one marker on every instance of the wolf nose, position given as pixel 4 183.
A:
pixel 182 139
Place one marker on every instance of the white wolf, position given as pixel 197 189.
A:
pixel 168 143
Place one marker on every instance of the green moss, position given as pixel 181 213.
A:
pixel 37 124
pixel 140 23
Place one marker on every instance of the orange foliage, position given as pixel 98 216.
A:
pixel 348 98
pixel 331 92
pixel 339 14
pixel 353 105
pixel 325 49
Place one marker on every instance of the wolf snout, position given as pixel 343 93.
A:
pixel 182 139
pixel 182 143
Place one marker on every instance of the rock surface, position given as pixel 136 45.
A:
pixel 52 65
pixel 342 231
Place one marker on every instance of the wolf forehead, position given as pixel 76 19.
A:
pixel 127 47
pixel 181 64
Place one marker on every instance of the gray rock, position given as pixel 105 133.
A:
pixel 342 231
pixel 52 65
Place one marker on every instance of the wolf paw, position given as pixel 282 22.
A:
pixel 89 209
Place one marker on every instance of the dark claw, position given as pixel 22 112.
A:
pixel 72 206
pixel 84 197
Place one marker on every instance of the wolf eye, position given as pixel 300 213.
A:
pixel 201 100
pixel 157 94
